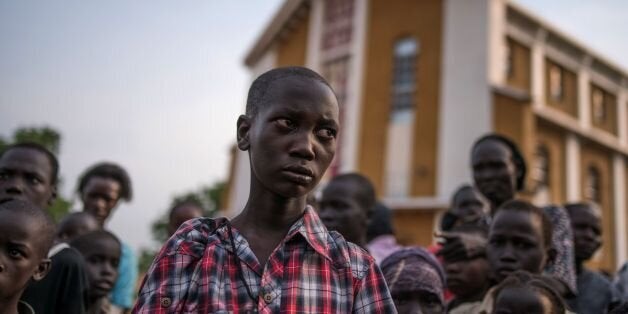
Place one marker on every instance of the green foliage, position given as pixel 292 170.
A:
pixel 51 139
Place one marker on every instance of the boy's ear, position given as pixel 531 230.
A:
pixel 244 126
pixel 53 195
pixel 42 269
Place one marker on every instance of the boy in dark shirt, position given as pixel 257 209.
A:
pixel 101 250
pixel 26 235
pixel 595 292
pixel 29 172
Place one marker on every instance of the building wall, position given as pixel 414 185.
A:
pixel 594 155
pixel 414 227
pixel 292 45
pixel 388 22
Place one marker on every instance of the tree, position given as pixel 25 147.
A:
pixel 50 139
pixel 209 197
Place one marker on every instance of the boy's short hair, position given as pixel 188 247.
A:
pixel 365 189
pixel 108 170
pixel 260 86
pixel 570 207
pixel 86 241
pixel 180 204
pixel 538 283
pixel 380 223
pixel 71 219
pixel 523 206
pixel 47 228
pixel 517 156
pixel 52 159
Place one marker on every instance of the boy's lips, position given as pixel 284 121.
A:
pixel 299 174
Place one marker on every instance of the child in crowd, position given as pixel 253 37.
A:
pixel 276 256
pixel 26 235
pixel 468 206
pixel 520 238
pixel 182 212
pixel 596 293
pixel 101 188
pixel 346 206
pixel 73 225
pixel 468 277
pixel 28 171
pixel 416 281
pixel 380 234
pixel 525 293
pixel 101 250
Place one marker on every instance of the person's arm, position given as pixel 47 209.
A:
pixel 371 293
pixel 174 272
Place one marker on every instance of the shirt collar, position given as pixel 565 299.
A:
pixel 309 226
pixel 312 229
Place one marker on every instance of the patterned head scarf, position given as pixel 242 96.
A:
pixel 563 267
pixel 412 270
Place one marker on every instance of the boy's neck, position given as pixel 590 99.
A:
pixel 271 212
pixel 579 267
pixel 478 296
pixel 9 306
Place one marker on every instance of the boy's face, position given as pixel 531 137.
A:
pixel 182 214
pixel 521 301
pixel 466 278
pixel 515 242
pixel 26 174
pixel 418 303
pixel 102 266
pixel 22 255
pixel 494 172
pixel 340 210
pixel 292 139
pixel 587 232
pixel 470 203
pixel 100 196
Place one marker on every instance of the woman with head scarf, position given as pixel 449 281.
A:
pixel 416 281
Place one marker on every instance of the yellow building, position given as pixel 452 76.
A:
pixel 419 81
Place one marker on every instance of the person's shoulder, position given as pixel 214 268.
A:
pixel 68 257
pixel 193 236
pixel 350 255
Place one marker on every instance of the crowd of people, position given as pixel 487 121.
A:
pixel 291 250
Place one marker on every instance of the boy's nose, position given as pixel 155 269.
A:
pixel 303 147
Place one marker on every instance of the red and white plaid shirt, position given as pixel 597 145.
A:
pixel 311 271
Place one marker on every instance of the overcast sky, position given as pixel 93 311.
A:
pixel 157 85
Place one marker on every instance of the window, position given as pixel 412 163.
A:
pixel 556 82
pixel 597 101
pixel 337 27
pixel 404 76
pixel 509 60
pixel 540 170
pixel 593 185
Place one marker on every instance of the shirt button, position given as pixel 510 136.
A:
pixel 166 302
pixel 268 297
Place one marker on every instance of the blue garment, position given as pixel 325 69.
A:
pixel 123 292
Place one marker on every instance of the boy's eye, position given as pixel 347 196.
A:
pixel 15 253
pixel 285 123
pixel 326 133
pixel 34 180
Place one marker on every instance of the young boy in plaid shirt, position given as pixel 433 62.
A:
pixel 276 255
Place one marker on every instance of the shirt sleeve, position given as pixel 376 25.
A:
pixel 172 275
pixel 371 291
